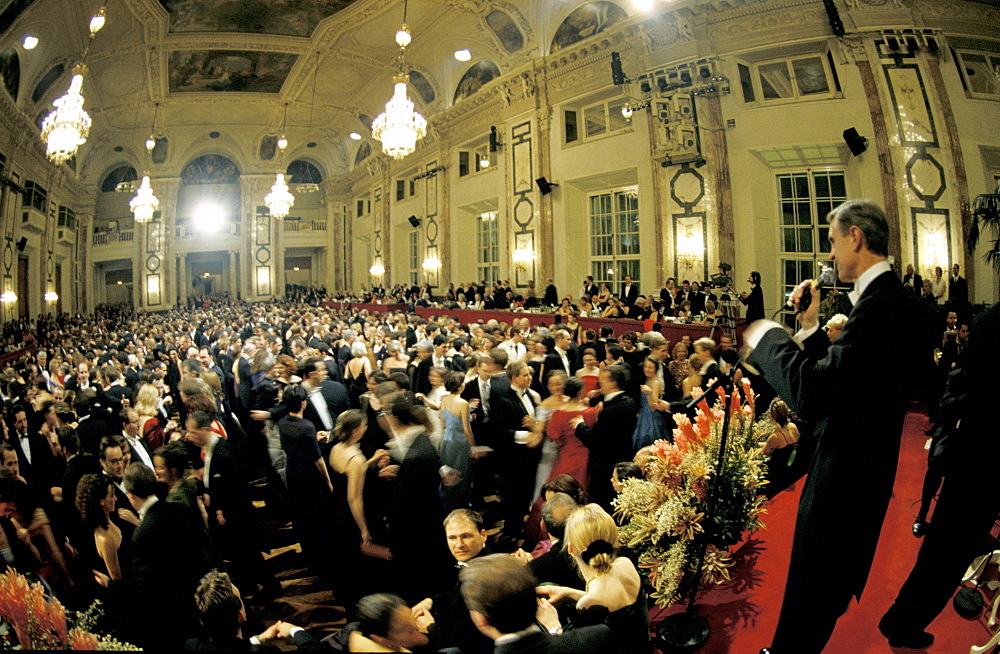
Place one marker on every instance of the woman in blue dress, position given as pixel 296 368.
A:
pixel 458 446
pixel 654 412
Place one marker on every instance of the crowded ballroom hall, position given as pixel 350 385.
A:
pixel 500 325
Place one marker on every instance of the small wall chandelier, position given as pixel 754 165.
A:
pixel 399 127
pixel 66 128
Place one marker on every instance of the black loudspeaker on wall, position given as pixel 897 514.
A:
pixel 23 243
pixel 617 74
pixel 545 186
pixel 855 141
pixel 414 221
pixel 494 139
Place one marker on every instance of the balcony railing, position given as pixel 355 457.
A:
pixel 109 238
pixel 304 226
pixel 193 231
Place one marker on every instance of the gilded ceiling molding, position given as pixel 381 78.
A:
pixel 715 13
pixel 333 27
pixel 573 59
pixel 978 14
pixel 260 43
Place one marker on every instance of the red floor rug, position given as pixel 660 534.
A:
pixel 744 613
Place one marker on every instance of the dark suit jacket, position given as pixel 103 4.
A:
pixel 554 362
pixel 712 373
pixel 551 297
pixel 168 559
pixel 337 401
pixel 585 640
pixel 851 477
pixel 631 295
pixel 227 485
pixel 916 283
pixel 592 290
pixel 958 290
pixel 755 304
pixel 609 442
pixel 41 472
pixel 558 567
pixel 112 398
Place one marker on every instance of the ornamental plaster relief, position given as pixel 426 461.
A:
pixel 771 27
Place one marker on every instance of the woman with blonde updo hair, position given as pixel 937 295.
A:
pixel 614 594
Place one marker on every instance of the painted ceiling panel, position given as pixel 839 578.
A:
pixel 289 17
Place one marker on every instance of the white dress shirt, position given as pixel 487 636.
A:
pixel 139 450
pixel 319 403
pixel 208 449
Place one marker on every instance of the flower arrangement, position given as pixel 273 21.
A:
pixel 669 518
pixel 40 622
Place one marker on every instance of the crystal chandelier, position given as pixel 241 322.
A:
pixel 144 204
pixel 66 129
pixel 399 127
pixel 279 200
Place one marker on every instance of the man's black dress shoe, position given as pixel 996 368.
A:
pixel 919 528
pixel 910 640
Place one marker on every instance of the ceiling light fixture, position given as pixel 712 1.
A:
pixel 463 54
pixel 279 201
pixel 30 42
pixel 399 127
pixel 145 204
pixel 355 136
pixel 208 217
pixel 66 129
pixel 8 297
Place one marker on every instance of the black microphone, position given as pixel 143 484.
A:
pixel 826 278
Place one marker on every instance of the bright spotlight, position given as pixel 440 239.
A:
pixel 355 136
pixel 463 54
pixel 643 5
pixel 208 218
pixel 30 42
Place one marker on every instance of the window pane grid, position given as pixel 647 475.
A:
pixel 614 235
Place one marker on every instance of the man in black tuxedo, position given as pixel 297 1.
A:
pixel 958 289
pixel 639 310
pixel 327 399
pixel 114 391
pixel 708 367
pixel 561 357
pixel 630 292
pixel 414 504
pixel 968 503
pixel 242 379
pixel 834 504
pixel 557 565
pixel 231 521
pixel 912 282
pixel 517 450
pixel 422 370
pixel 35 460
pixel 589 288
pixel 551 297
pixel 500 596
pixel 112 462
pixel 452 625
pixel 610 438
pixel 169 557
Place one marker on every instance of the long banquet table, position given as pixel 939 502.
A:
pixel 371 307
pixel 672 331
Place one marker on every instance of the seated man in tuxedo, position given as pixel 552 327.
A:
pixel 222 613
pixel 444 615
pixel 500 597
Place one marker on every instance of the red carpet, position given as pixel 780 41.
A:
pixel 744 613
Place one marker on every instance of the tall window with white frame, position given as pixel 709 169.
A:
pixel 804 200
pixel 614 235
pixel 487 247
pixel 413 257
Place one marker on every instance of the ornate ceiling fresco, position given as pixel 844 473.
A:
pixel 289 17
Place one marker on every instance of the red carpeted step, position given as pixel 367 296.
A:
pixel 744 613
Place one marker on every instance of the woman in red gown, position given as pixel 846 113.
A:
pixel 573 454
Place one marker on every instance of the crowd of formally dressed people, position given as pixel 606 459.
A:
pixel 451 483
pixel 135 444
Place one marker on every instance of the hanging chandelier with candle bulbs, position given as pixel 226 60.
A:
pixel 399 127
pixel 66 128
pixel 145 204
pixel 279 201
